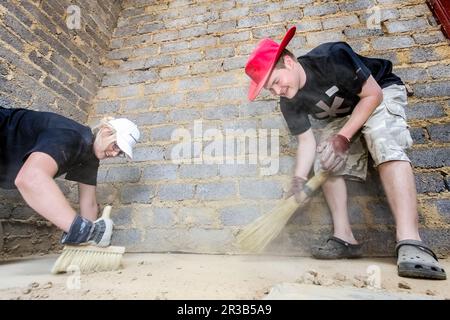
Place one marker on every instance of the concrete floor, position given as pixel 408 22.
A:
pixel 194 276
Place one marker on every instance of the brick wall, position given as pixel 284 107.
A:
pixel 45 65
pixel 172 63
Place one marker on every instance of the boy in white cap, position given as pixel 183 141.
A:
pixel 36 147
pixel 359 98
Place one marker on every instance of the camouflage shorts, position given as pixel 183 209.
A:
pixel 385 135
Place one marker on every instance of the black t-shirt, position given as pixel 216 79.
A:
pixel 69 143
pixel 335 75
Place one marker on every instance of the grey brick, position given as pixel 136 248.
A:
pixel 321 10
pixel 123 216
pixel 176 192
pixel 283 16
pixel 128 91
pixel 316 38
pixel 137 193
pixel 198 97
pixel 305 26
pixel 160 172
pixel 148 118
pixel 260 189
pixel 222 80
pixel 222 112
pixel 17 12
pixel 143 76
pixel 172 72
pixel 150 27
pixel 424 110
pixel 268 32
pixel 148 153
pixel 287 164
pixel 158 87
pixel 380 211
pixel 115 79
pixel 439 71
pixel 418 135
pixel 159 61
pixel 191 83
pixel 253 21
pixel 276 122
pixel 234 63
pixel 166 36
pixel 340 22
pixel 235 93
pixel 217 53
pixel 178 23
pixel 222 26
pixel 234 13
pixel 163 133
pixel 125 31
pixel 362 32
pixel 443 206
pixel 430 158
pixel 429 182
pixel 203 42
pixel 208 17
pixel 423 54
pixel 414 11
pixel 174 46
pixel 119 174
pixel 184 115
pixel 188 57
pixel 432 89
pixel 258 108
pixel 429 37
pixel 239 215
pixel 357 5
pixel 386 43
pixel 197 216
pixel 60 89
pixel 238 170
pixel 235 37
pixel 119 54
pixel 406 25
pixel 216 191
pixel 170 100
pixel 412 74
pixel 205 67
pixel 128 238
pixel 163 217
pixel 136 104
pixel 193 32
pixel 439 132
pixel 199 171
pixel 107 107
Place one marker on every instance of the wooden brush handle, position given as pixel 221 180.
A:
pixel 312 185
pixel 106 212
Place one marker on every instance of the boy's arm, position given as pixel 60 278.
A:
pixel 305 154
pixel 371 96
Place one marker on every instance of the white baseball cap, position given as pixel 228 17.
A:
pixel 127 135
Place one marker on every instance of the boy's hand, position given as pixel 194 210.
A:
pixel 334 152
pixel 297 185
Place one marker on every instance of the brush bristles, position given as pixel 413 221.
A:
pixel 88 259
pixel 256 236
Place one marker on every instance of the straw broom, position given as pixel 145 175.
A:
pixel 88 258
pixel 257 235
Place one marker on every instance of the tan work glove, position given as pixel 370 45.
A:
pixel 334 152
pixel 297 185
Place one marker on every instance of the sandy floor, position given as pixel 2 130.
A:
pixel 191 276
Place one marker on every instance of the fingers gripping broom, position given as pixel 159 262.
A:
pixel 89 258
pixel 256 236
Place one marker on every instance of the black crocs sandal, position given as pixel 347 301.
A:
pixel 416 260
pixel 336 248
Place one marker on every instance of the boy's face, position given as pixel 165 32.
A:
pixel 284 82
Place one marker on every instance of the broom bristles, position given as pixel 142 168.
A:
pixel 257 235
pixel 88 259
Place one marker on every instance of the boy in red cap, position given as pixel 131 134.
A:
pixel 358 98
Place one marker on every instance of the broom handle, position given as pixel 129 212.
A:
pixel 312 185
pixel 106 212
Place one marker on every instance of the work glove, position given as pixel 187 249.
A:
pixel 83 231
pixel 297 185
pixel 334 152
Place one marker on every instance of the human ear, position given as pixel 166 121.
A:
pixel 288 62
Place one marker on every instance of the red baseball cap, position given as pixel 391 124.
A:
pixel 262 60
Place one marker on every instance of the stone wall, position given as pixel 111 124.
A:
pixel 47 63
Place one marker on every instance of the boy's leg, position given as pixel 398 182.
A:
pixel 343 244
